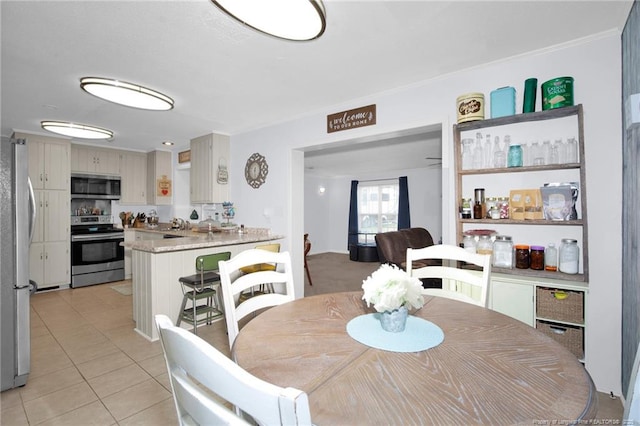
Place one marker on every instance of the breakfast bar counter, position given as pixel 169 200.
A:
pixel 157 264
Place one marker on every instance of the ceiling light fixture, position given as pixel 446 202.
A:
pixel 73 130
pixel 128 94
pixel 167 143
pixel 297 20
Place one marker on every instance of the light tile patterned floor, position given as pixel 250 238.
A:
pixel 89 367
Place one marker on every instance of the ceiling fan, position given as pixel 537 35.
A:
pixel 434 162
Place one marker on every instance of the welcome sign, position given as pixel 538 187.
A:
pixel 351 119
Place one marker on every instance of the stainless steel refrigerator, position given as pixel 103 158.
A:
pixel 17 219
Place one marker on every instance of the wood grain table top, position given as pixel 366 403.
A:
pixel 490 368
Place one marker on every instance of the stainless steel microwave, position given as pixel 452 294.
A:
pixel 95 186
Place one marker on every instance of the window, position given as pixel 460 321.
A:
pixel 377 208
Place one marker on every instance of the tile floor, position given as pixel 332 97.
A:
pixel 88 366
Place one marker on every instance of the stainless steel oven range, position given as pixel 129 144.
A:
pixel 97 255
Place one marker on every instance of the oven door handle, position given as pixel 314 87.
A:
pixel 98 237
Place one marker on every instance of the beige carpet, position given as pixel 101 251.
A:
pixel 333 272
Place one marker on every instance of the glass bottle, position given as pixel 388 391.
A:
pixel 546 152
pixel 551 258
pixel 569 256
pixel 498 154
pixel 467 154
pixel 572 151
pixel 503 252
pixel 487 152
pixel 478 161
pixel 514 158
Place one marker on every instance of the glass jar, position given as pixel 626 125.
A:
pixel 537 258
pixel 485 245
pixel 491 203
pixel 469 243
pixel 503 252
pixel 522 256
pixel 503 206
pixel 514 156
pixel 569 255
pixel 466 208
pixel 551 258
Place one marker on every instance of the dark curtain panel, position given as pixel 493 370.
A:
pixel 404 219
pixel 353 215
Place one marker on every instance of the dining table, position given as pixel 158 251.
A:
pixel 487 368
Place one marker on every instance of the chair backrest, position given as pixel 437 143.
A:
pixel 234 282
pixel 272 247
pixel 193 363
pixel 450 256
pixel 307 244
pixel 209 262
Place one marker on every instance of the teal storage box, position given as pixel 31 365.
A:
pixel 503 102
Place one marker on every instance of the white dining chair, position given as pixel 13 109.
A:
pixel 234 282
pixel 202 379
pixel 454 278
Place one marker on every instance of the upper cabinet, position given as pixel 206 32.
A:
pixel 553 143
pixel 48 161
pixel 86 159
pixel 209 159
pixel 159 181
pixel 134 178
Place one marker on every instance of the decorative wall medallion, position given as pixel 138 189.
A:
pixel 256 170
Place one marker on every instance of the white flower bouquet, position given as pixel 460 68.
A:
pixel 389 288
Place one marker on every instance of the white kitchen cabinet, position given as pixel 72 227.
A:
pixel 513 298
pixel 49 170
pixel 86 159
pixel 159 178
pixel 52 216
pixel 48 161
pixel 133 184
pixel 50 264
pixel 209 160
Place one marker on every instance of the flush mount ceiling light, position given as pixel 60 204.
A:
pixel 128 94
pixel 74 130
pixel 297 20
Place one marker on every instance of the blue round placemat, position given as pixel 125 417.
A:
pixel 418 335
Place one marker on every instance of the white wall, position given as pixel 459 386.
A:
pixel 326 215
pixel 595 65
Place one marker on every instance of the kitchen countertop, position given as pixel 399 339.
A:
pixel 190 239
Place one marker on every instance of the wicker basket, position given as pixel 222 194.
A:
pixel 569 336
pixel 560 305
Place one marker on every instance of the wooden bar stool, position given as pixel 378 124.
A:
pixel 200 286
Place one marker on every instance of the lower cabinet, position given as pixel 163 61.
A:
pixel 514 299
pixel 556 308
pixel 50 264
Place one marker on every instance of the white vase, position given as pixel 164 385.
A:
pixel 394 321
